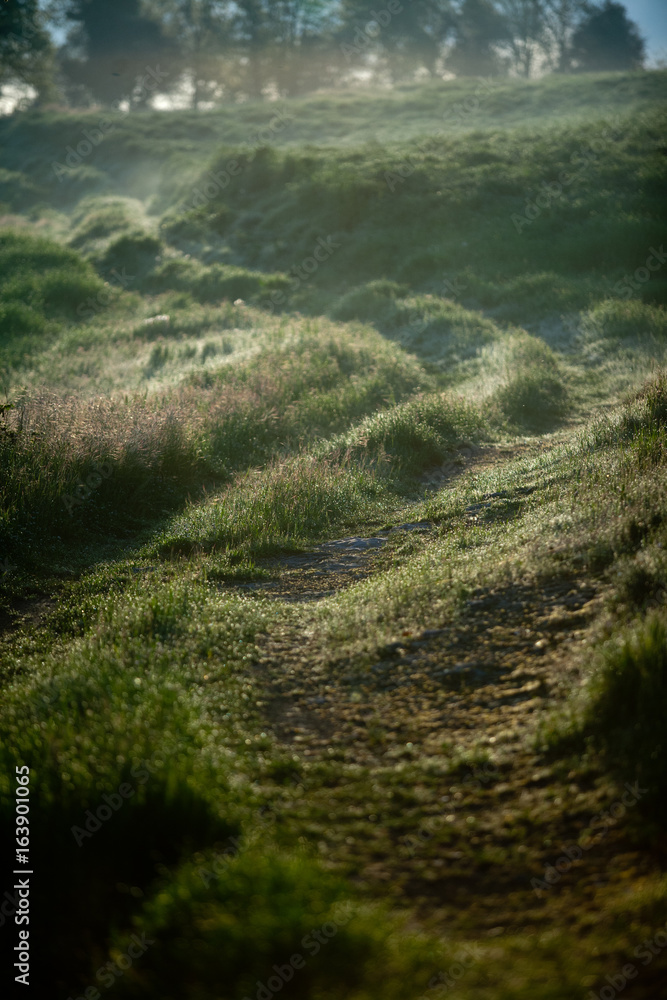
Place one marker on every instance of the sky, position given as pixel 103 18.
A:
pixel 651 18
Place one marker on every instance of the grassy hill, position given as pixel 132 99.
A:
pixel 332 534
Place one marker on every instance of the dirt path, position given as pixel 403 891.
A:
pixel 432 791
pixel 420 773
pixel 334 565
pixel 25 613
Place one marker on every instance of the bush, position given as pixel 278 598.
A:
pixel 18 191
pixel 118 742
pixel 184 228
pixel 241 925
pixel 100 218
pixel 295 500
pixel 177 274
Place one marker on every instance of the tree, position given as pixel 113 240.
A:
pixel 561 20
pixel 110 45
pixel 301 42
pixel 200 30
pixel 286 43
pixel 409 38
pixel 527 31
pixel 607 40
pixel 479 29
pixel 26 53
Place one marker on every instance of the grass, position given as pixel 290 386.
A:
pixel 563 493
pixel 41 285
pixel 269 918
pixel 288 504
pixel 363 328
pixel 626 707
pixel 303 385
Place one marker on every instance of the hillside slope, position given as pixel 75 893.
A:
pixel 332 543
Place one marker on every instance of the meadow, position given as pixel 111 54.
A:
pixel 333 542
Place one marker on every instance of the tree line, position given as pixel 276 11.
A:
pixel 96 51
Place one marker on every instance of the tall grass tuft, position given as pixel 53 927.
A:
pixel 283 505
pixel 628 706
pixel 533 394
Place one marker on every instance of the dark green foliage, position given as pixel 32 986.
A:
pixel 534 395
pixel 109 48
pixel 25 46
pixel 381 208
pixel 415 435
pixel 479 28
pixel 16 318
pixel 607 40
pixel 239 919
pixel 626 714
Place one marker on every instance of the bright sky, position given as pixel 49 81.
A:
pixel 651 17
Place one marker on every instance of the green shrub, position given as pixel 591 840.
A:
pixel 230 925
pixel 100 218
pixel 17 191
pixel 174 274
pixel 218 282
pixel 642 424
pixel 372 302
pixel 442 331
pixel 184 228
pixel 119 745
